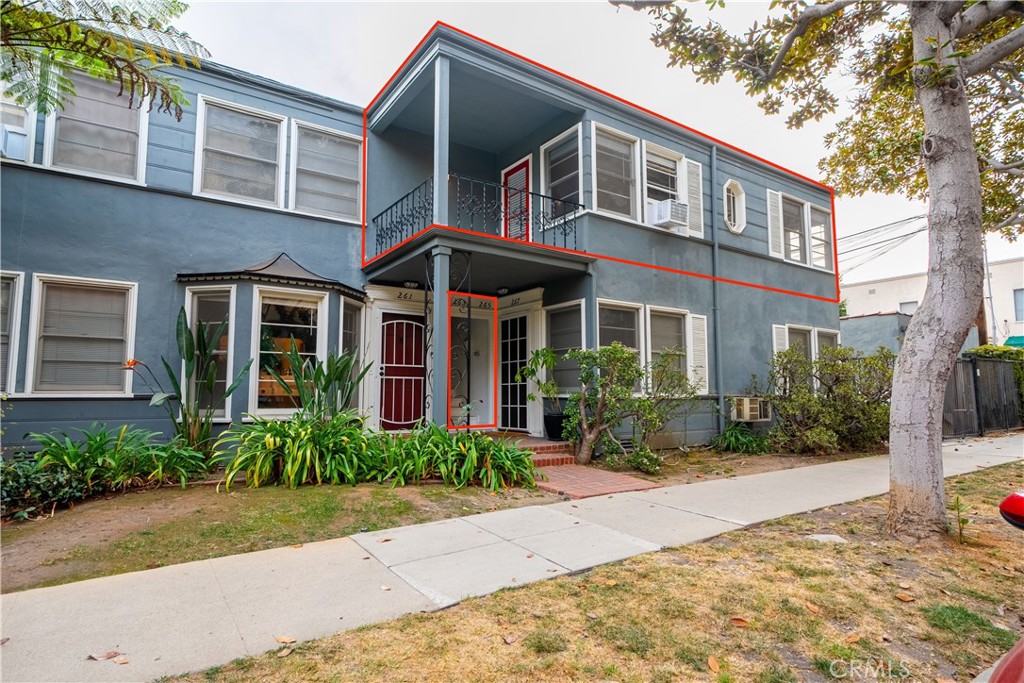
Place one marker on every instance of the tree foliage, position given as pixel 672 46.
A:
pixel 800 58
pixel 126 42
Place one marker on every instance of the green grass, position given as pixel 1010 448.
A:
pixel 631 638
pixel 776 673
pixel 965 624
pixel 546 641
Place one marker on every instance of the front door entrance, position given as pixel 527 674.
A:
pixel 513 357
pixel 402 371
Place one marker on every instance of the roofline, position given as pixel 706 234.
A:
pixel 258 81
pixel 908 276
pixel 441 30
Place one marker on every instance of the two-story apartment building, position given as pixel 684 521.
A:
pixel 480 207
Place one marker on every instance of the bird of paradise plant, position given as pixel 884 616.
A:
pixel 191 403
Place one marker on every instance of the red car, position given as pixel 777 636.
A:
pixel 1011 668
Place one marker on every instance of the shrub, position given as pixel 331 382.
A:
pixel 644 460
pixel 838 401
pixel 322 389
pixel 738 438
pixel 670 394
pixel 308 450
pixel 26 490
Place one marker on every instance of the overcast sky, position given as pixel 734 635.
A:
pixel 347 50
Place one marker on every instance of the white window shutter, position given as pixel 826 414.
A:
pixel 775 223
pixel 694 199
pixel 780 338
pixel 697 354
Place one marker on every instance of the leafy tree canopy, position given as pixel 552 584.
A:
pixel 126 42
pixel 797 58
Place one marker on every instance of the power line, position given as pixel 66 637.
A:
pixel 884 241
pixel 881 227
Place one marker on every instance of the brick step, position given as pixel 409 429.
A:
pixel 553 459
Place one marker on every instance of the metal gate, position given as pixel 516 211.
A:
pixel 402 371
pixel 981 396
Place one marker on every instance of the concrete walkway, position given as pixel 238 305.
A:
pixel 200 614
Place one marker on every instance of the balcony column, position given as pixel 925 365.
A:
pixel 440 344
pixel 441 140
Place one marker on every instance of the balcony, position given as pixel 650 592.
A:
pixel 482 207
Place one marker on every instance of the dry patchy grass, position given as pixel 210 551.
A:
pixel 663 616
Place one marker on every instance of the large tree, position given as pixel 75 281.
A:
pixel 937 112
pixel 127 42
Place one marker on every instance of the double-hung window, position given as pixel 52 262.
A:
pixel 325 175
pixel 662 177
pixel 17 125
pixel 561 169
pixel 565 333
pixel 615 173
pixel 799 231
pixel 809 340
pixel 83 335
pixel 618 324
pixel 97 132
pixel 8 317
pixel 1018 305
pixel 240 154
pixel 668 336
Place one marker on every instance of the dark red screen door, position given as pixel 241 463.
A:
pixel 516 200
pixel 402 371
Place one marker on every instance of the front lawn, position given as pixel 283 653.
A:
pixel 146 529
pixel 764 605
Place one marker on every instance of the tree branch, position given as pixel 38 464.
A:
pixel 803 22
pixel 994 52
pixel 976 16
pixel 640 4
pixel 1011 167
pixel 1017 217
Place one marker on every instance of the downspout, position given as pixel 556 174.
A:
pixel 715 284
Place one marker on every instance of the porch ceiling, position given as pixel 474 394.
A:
pixel 487 112
pixel 511 266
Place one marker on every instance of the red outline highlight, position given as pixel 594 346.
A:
pixel 620 100
pixel 494 355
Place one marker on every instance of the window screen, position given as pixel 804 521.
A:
pixel 565 333
pixel 240 155
pixel 615 177
pixel 97 130
pixel 326 174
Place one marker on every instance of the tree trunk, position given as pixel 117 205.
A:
pixel 917 500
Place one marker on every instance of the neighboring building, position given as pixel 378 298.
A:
pixel 1004 296
pixel 865 333
pixel 507 207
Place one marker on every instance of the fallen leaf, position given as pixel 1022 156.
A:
pixel 284 640
pixel 1000 610
pixel 296 545
pixel 904 597
pixel 886 639
pixel 509 640
pixel 591 615
pixel 120 660
pixel 699 476
pixel 285 652
pixel 104 657
pixel 367 557
pixel 944 680
pixel 383 540
pixel 529 555
pixel 552 570
pixel 812 608
pixel 713 664
pixel 611 582
pixel 3 640
pixel 385 588
pixel 905 586
pixel 850 640
pixel 739 622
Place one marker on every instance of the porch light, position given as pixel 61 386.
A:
pixel 411 284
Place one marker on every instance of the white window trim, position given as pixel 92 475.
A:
pixel 35 315
pixel 741 206
pixel 16 303
pixel 813 333
pixel 638 183
pixel 579 303
pixel 322 300
pixel 190 293
pixel 576 130
pixel 687 335
pixel 50 139
pixel 680 159
pixel 293 148
pixel 641 327
pixel 197 168
pixel 1014 304
pixel 32 122
pixel 806 213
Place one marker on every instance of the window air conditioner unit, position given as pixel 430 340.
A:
pixel 750 409
pixel 668 213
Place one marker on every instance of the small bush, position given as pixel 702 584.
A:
pixel 26 491
pixel 738 438
pixel 644 460
pixel 545 642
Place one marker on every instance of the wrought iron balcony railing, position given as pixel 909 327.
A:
pixel 484 207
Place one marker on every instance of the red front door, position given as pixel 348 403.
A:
pixel 516 200
pixel 402 371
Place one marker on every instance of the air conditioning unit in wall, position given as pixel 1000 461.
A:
pixel 668 213
pixel 750 409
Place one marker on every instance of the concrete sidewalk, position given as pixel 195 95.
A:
pixel 200 614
